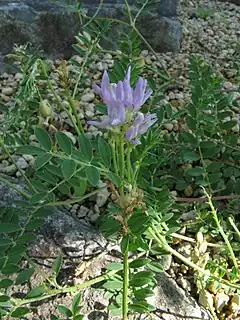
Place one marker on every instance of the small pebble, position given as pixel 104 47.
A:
pixel 88 97
pixel 8 91
pixel 102 197
pixel 82 212
pixel 168 126
pixel 22 163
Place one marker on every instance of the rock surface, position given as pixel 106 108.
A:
pixel 233 1
pixel 52 27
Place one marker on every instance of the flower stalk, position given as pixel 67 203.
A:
pixel 125 284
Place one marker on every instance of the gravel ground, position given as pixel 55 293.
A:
pixel 210 28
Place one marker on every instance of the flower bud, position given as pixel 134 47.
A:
pixel 45 109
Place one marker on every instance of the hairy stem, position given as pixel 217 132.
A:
pixel 223 234
pixel 163 244
pixel 73 289
pixel 114 155
pixel 125 284
pixel 74 111
pixel 72 201
pixel 230 219
pixel 122 169
pixel 129 165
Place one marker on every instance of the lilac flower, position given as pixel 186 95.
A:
pixel 122 91
pixel 140 126
pixel 123 103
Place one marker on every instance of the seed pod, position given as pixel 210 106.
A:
pixel 45 109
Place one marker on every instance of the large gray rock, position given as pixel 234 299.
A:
pixel 165 33
pixel 52 27
pixel 60 232
pixel 233 1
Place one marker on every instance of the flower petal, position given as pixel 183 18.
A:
pixel 150 119
pixel 138 93
pixel 116 112
pixel 105 88
pixel 128 94
pixel 139 119
pixel 119 91
pixel 105 85
pixel 97 89
pixel 146 96
pixel 131 133
pixel 136 141
pixel 128 74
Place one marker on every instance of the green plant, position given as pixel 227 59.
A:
pixel 204 12
pixel 140 168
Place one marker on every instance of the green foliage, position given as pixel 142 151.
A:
pixel 143 218
pixel 208 142
pixel 73 312
pixel 204 12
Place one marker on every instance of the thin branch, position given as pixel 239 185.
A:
pixel 204 199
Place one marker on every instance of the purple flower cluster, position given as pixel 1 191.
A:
pixel 123 105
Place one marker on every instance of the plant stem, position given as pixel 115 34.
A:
pixel 223 234
pixel 122 169
pixel 73 289
pixel 129 165
pixel 115 166
pixel 164 77
pixel 140 11
pixel 59 103
pixel 95 14
pixel 82 68
pixel 230 219
pixel 51 86
pixel 72 201
pixel 73 108
pixel 162 242
pixel 129 12
pixel 125 284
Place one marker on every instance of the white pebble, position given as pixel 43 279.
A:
pixel 10 169
pixel 82 212
pixel 102 197
pixel 18 76
pixel 88 97
pixel 236 128
pixel 89 114
pixel 107 56
pixel 8 91
pixel 22 163
pixel 168 126
pixel 101 66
